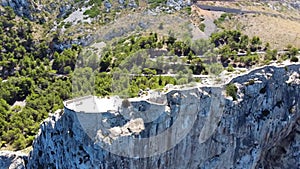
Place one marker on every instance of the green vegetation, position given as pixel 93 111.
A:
pixel 291 54
pixel 235 48
pixel 230 68
pixel 93 12
pixel 155 3
pixel 95 2
pixel 131 55
pixel 222 18
pixel 67 25
pixel 250 82
pixel 231 90
pixel 130 46
pixel 202 27
pixel 271 54
pixel 234 40
pixel 294 59
pixel 188 9
pixel 215 68
pixel 66 59
pixel 27 74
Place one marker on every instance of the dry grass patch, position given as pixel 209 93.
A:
pixel 279 32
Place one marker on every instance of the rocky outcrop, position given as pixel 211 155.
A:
pixel 12 160
pixel 178 4
pixel 21 7
pixel 197 127
pixel 296 5
pixel 107 5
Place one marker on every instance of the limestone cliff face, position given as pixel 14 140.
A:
pixel 12 160
pixel 261 129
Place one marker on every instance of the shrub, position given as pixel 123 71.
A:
pixel 188 10
pixel 155 3
pixel 286 68
pixel 263 90
pixel 265 112
pixel 97 2
pixel 230 68
pixel 161 26
pixel 202 27
pixel 293 51
pixel 251 82
pixel 68 24
pixel 222 18
pixel 271 54
pixel 215 68
pixel 125 103
pixel 231 90
pixel 294 59
pixel 93 12
pixel 67 70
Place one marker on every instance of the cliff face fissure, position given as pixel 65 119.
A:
pixel 215 114
pixel 196 128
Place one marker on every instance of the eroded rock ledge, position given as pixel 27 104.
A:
pixel 259 130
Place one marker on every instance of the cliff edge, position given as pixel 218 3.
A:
pixel 197 128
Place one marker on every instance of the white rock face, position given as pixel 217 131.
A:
pixel 12 160
pixel 202 129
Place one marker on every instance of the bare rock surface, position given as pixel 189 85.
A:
pixel 12 160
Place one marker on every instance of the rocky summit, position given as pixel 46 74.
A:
pixel 260 128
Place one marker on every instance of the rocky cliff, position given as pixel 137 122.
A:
pixel 194 128
pixel 12 160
